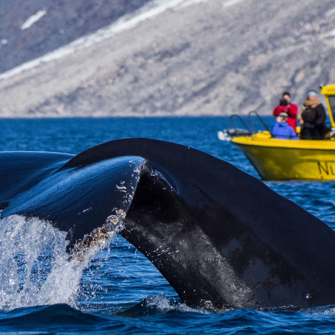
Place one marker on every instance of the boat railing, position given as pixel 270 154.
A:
pixel 246 130
pixel 259 118
pixel 235 116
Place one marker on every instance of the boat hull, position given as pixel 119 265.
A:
pixel 288 159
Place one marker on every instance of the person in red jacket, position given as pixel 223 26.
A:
pixel 291 109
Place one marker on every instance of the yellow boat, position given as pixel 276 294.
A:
pixel 277 159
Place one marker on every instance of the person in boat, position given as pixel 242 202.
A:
pixel 281 129
pixel 312 118
pixel 285 105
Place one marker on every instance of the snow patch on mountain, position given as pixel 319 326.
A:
pixel 124 23
pixel 33 19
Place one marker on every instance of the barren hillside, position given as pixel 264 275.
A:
pixel 170 57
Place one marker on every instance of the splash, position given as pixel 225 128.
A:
pixel 34 266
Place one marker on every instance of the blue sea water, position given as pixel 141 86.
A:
pixel 118 291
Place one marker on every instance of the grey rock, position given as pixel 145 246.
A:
pixel 206 58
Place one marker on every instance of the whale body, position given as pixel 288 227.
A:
pixel 220 237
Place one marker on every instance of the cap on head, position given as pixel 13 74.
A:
pixel 312 92
pixel 283 114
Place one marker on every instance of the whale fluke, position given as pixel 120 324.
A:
pixel 219 236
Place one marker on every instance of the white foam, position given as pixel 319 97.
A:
pixel 125 23
pixel 164 305
pixel 32 19
pixel 34 266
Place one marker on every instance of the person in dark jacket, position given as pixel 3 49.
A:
pixel 281 130
pixel 285 105
pixel 312 118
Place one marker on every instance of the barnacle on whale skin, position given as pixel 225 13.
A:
pixel 99 235
pixel 115 219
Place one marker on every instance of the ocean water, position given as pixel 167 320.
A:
pixel 116 290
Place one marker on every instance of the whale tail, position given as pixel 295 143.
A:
pixel 219 236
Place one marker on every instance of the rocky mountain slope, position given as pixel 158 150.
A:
pixel 58 22
pixel 170 57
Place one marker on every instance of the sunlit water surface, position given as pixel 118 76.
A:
pixel 116 289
